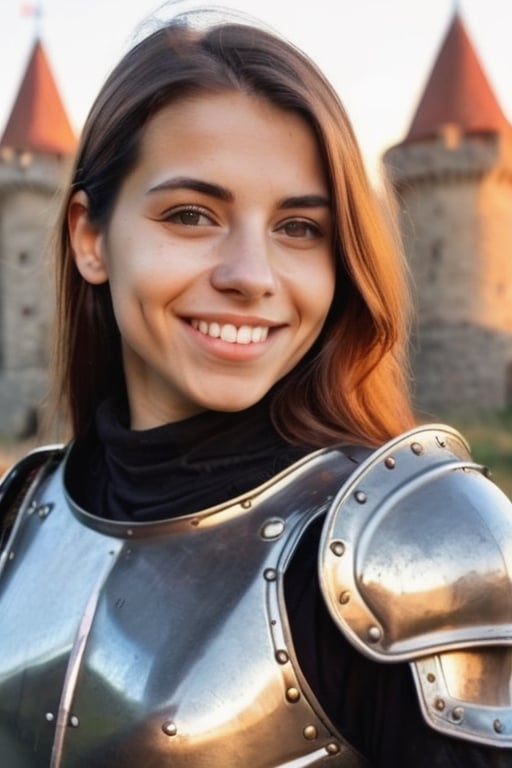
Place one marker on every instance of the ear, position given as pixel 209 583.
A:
pixel 86 241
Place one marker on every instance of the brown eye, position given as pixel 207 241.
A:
pixel 300 228
pixel 188 217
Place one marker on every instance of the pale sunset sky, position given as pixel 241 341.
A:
pixel 377 53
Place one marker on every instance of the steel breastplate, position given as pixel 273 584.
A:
pixel 119 649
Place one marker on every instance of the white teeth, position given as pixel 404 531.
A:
pixel 228 333
pixel 213 329
pixel 246 334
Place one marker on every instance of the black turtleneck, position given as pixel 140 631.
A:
pixel 180 468
pixel 177 468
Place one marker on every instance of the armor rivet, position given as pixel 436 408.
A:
pixel 332 748
pixel 360 497
pixel 246 504
pixel 441 442
pixel 129 532
pixel 458 714
pixel 44 510
pixel 487 472
pixel 374 634
pixel 170 728
pixel 270 574
pixel 310 732
pixel 337 548
pixel 50 717
pixel 417 448
pixel 292 694
pixel 390 462
pixel 439 704
pixel 272 529
pixel 11 555
pixel 194 522
pixel 431 677
pixel 281 657
pixel 74 721
pixel 344 598
pixel 498 726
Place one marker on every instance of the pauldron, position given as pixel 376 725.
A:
pixel 416 565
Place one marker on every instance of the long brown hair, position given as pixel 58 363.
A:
pixel 353 384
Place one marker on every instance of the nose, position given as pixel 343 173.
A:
pixel 244 266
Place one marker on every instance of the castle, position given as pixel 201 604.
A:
pixel 36 150
pixel 452 175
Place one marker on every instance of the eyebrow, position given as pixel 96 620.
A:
pixel 305 201
pixel 224 194
pixel 197 185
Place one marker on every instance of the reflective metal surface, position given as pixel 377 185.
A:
pixel 161 644
pixel 416 564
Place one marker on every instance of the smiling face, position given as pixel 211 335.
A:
pixel 218 254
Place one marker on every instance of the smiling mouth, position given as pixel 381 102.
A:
pixel 244 334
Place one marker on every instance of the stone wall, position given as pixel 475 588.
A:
pixel 455 198
pixel 461 367
pixel 29 200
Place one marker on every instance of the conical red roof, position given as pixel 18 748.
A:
pixel 457 91
pixel 38 121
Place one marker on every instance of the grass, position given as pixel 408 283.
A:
pixel 490 437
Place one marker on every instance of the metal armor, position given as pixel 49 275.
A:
pixel 119 649
pixel 116 648
pixel 416 564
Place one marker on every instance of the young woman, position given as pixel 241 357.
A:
pixel 232 356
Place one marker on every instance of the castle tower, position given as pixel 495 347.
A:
pixel 453 177
pixel 35 151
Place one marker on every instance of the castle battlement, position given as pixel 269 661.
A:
pixel 450 157
pixel 29 170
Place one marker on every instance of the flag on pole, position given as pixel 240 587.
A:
pixel 35 11
pixel 31 9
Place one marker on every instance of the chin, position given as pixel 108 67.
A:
pixel 233 404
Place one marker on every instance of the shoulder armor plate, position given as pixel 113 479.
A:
pixel 416 565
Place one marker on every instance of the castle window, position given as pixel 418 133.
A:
pixel 23 258
pixel 450 135
pixel 25 159
pixel 437 251
pixel 436 255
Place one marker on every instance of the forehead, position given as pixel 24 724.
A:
pixel 218 131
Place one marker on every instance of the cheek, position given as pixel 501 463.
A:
pixel 317 289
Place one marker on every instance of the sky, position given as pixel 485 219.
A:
pixel 377 53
